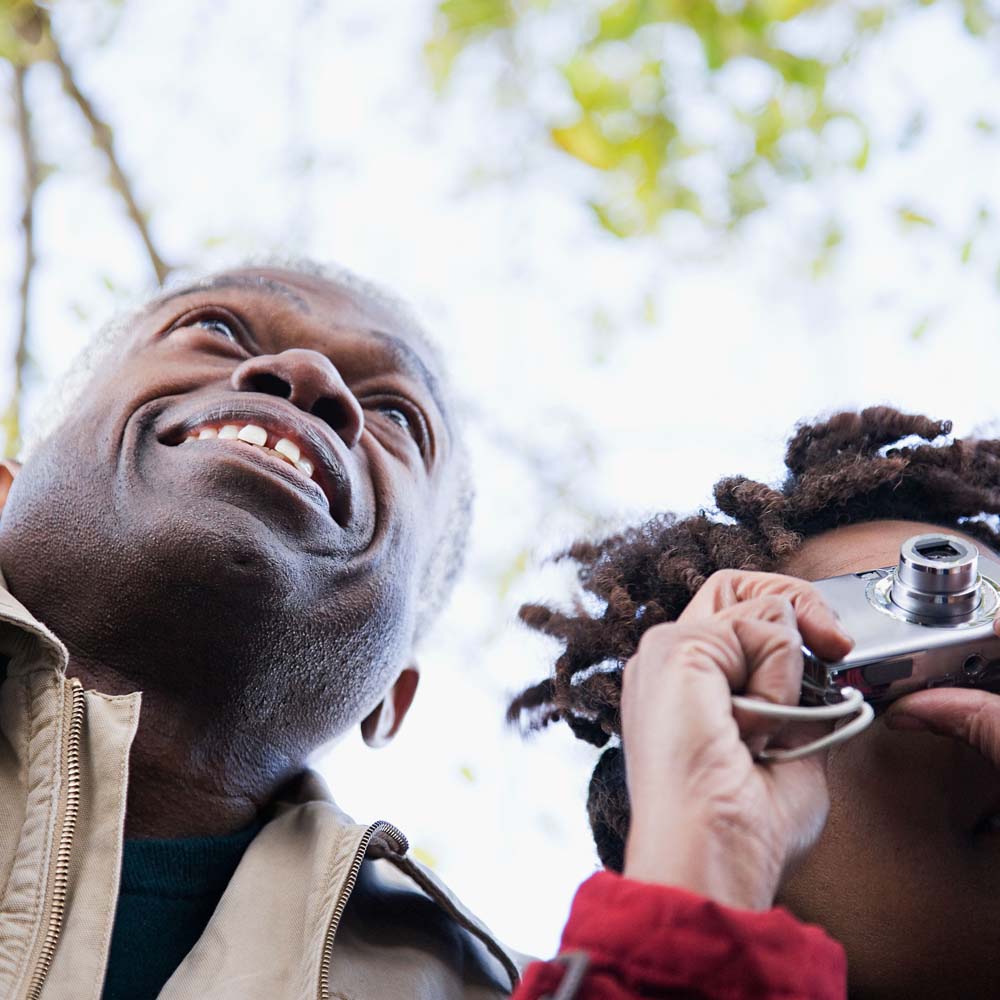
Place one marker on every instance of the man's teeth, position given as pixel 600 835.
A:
pixel 255 435
pixel 289 449
pixel 252 434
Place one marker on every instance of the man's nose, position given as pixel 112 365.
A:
pixel 310 381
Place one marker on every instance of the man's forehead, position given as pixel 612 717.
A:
pixel 305 293
pixel 251 281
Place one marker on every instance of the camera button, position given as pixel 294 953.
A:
pixel 975 665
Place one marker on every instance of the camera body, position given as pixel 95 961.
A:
pixel 925 622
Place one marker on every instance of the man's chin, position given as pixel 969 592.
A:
pixel 242 512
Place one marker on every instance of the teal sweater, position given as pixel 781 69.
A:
pixel 169 890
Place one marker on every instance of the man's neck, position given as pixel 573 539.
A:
pixel 188 778
pixel 166 806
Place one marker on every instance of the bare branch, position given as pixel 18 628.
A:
pixel 32 178
pixel 104 139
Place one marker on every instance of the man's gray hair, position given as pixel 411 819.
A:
pixel 445 554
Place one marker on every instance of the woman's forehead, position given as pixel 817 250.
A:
pixel 856 547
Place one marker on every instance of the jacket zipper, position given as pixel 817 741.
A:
pixel 400 843
pixel 60 878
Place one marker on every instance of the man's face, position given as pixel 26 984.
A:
pixel 907 872
pixel 291 561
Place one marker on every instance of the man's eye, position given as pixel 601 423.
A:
pixel 217 326
pixel 406 416
pixel 396 416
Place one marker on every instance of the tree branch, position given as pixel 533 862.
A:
pixel 32 178
pixel 104 139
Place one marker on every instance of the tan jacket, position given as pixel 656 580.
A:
pixel 320 907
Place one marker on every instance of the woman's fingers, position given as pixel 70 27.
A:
pixel 960 713
pixel 821 631
pixel 754 648
pixel 680 673
pixel 774 650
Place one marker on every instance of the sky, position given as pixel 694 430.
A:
pixel 601 380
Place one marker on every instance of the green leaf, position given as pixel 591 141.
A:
pixel 784 10
pixel 769 126
pixel 475 16
pixel 513 572
pixel 457 24
pixel 713 41
pixel 911 217
pixel 860 161
pixel 440 54
pixel 976 17
pixel 585 141
pixel 620 20
pixel 593 89
pixel 805 72
pixel 745 194
pixel 833 236
pixel 424 855
pixel 10 427
pixel 868 20
pixel 612 220
pixel 24 32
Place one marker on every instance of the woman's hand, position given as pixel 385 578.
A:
pixel 705 817
pixel 960 713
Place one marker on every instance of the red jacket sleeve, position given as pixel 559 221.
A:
pixel 649 941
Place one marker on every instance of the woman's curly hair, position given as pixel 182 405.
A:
pixel 878 464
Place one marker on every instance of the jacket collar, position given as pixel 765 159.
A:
pixel 25 642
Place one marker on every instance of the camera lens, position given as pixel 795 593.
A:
pixel 937 577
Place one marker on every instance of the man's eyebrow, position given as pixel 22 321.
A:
pixel 256 283
pixel 409 360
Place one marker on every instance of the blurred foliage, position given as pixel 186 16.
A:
pixel 24 32
pixel 633 98
pixel 27 38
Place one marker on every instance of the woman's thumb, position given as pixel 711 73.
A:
pixel 960 713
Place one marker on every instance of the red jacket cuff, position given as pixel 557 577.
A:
pixel 655 940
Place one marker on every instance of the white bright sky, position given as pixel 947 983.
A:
pixel 318 134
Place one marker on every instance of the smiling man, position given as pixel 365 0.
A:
pixel 249 508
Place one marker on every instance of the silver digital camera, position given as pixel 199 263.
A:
pixel 925 622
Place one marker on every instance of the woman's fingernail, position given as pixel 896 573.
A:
pixel 907 723
pixel 839 626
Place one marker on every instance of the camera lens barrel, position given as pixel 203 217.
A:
pixel 937 577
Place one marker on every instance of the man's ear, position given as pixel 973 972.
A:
pixel 8 470
pixel 383 722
